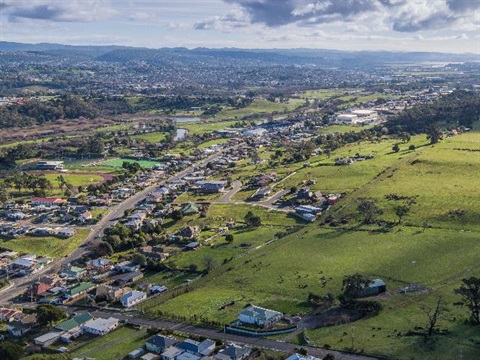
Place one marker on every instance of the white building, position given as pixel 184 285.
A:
pixel 256 315
pixel 100 326
pixel 347 118
pixel 132 298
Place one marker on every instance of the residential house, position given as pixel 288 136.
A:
pixel 72 273
pixel 204 348
pixel 256 315
pixel 150 356
pixel 66 232
pixel 171 353
pixel 154 253
pixel 188 356
pixel 188 232
pixel 21 326
pixel 127 278
pixel 159 343
pixel 73 323
pixel 297 356
pixel 47 339
pixel 8 315
pixel 234 352
pixel 47 201
pixel 126 266
pixel 99 264
pixel 211 187
pixel 39 288
pixel 100 326
pixel 189 209
pixel 84 217
pixel 78 290
pixel 110 293
pixel 132 298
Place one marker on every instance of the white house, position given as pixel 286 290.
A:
pixel 100 326
pixel 132 298
pixel 256 315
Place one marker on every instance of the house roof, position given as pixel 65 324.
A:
pixel 79 288
pixel 74 322
pixel 132 295
pixel 172 352
pixel 162 341
pixel 47 337
pixel 189 345
pixel 260 313
pixel 235 351
pixel 188 356
pixel 101 324
pixel 52 199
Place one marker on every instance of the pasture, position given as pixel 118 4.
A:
pixel 280 275
pixel 49 245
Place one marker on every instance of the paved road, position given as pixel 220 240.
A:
pixel 274 198
pixel 214 334
pixel 227 197
pixel 22 284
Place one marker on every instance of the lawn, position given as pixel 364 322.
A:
pixel 118 163
pixel 113 346
pixel 48 246
pixel 76 179
pixel 154 137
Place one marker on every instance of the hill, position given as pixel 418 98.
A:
pixel 434 247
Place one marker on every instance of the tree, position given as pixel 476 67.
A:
pixel 401 211
pixel 105 248
pixel 229 238
pixel 329 356
pixel 139 259
pixel 411 147
pixel 10 351
pixel 434 134
pixel 252 220
pixel 396 148
pixel 208 263
pixel 177 215
pixel 353 285
pixel 434 314
pixel 469 291
pixel 48 314
pixel 369 210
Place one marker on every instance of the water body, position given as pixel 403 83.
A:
pixel 186 119
pixel 180 134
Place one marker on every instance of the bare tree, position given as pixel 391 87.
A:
pixel 434 314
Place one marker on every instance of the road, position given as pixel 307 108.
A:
pixel 215 334
pixel 22 284
pixel 227 197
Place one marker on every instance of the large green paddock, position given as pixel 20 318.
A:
pixel 48 246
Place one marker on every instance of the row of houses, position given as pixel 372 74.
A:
pixel 169 348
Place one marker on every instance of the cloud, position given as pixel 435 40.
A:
pixel 57 11
pixel 226 23
pixel 399 15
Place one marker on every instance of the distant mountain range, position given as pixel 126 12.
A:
pixel 321 57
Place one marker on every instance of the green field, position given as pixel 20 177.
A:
pixel 118 163
pixel 154 137
pixel 113 346
pixel 260 107
pixel 48 246
pixel 75 179
pixel 281 275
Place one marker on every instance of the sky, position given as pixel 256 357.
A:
pixel 391 25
